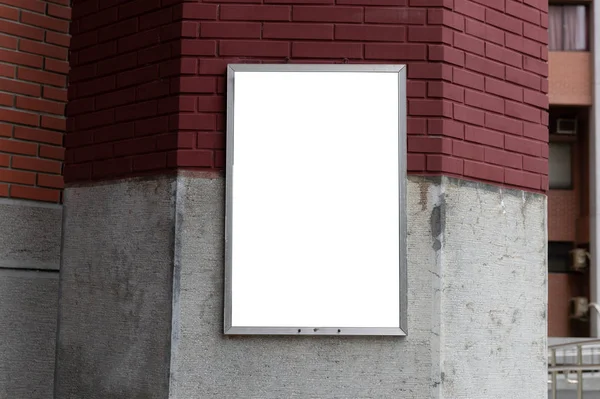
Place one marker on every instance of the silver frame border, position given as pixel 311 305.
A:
pixel 402 330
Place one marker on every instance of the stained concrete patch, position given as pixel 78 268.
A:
pixel 28 324
pixel 31 234
pixel 116 290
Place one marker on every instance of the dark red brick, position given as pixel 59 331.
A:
pixel 446 90
pixel 523 45
pixel 535 165
pixel 523 12
pixel 415 162
pixel 397 16
pixel 193 122
pixel 327 14
pixel 484 31
pixel 429 34
pixel 469 43
pixel 416 89
pixel 327 50
pixel 430 107
pixel 503 124
pixel 394 51
pixel 522 179
pixel 535 131
pixel 523 112
pixel 483 171
pixel 503 55
pixel 523 145
pixel 469 115
pixel 231 30
pixel 469 9
pixel 484 66
pixel 254 48
pixel 210 140
pixel 535 98
pixel 370 33
pixel 440 163
pixel 112 168
pixel 503 158
pixel 195 158
pixel 438 145
pixel 297 31
pixel 427 70
pixel 503 21
pixel 484 101
pixel 523 78
pixel 197 47
pixel 535 66
pixel 447 54
pixel 463 149
pixel 446 127
pixel 535 33
pixel 437 16
pixel 416 125
pixel 468 79
pixel 503 89
pixel 207 11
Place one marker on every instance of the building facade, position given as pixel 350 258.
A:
pixel 571 196
pixel 112 254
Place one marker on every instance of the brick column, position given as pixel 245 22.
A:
pixel 141 304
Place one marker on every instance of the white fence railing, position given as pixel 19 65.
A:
pixel 572 363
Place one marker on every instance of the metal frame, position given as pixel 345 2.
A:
pixel 316 330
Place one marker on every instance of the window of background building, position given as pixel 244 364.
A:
pixel 559 256
pixel 560 166
pixel 567 28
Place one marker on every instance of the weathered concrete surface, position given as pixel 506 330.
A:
pixel 28 303
pixel 29 239
pixel 493 291
pixel 31 234
pixel 476 302
pixel 476 314
pixel 115 297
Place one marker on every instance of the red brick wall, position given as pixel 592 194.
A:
pixel 477 79
pixel 34 45
pixel 125 59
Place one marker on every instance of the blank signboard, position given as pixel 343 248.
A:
pixel 315 210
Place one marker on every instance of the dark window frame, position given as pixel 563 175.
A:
pixel 559 256
pixel 572 142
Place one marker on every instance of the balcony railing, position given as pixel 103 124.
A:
pixel 571 364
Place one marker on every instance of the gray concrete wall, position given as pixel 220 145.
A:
pixel 476 314
pixel 476 311
pixel 29 261
pixel 116 288
pixel 493 291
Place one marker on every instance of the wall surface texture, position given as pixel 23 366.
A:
pixel 29 263
pixel 116 289
pixel 148 300
pixel 149 78
pixel 34 45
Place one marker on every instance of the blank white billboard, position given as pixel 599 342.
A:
pixel 315 210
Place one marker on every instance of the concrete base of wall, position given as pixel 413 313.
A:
pixel 142 302
pixel 29 262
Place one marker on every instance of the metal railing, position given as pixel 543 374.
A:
pixel 586 356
